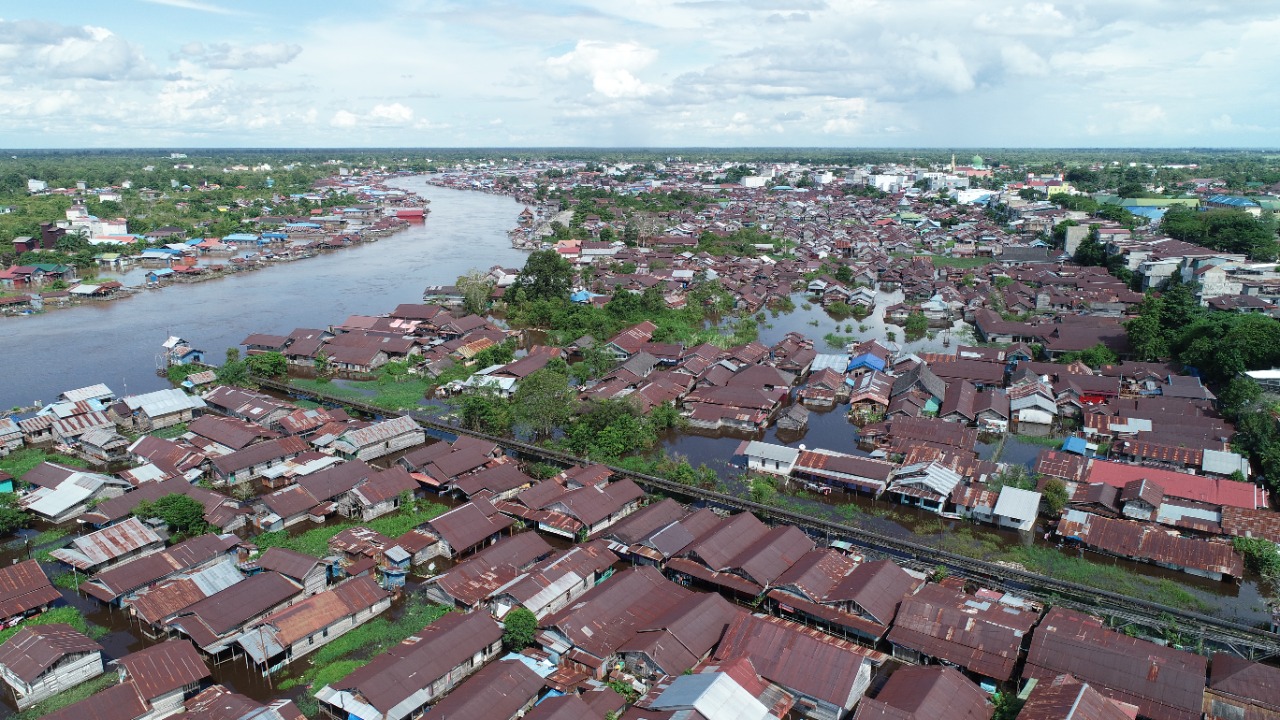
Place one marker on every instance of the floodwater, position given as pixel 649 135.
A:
pixel 118 342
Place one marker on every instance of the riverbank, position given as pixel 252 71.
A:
pixel 118 342
pixel 171 276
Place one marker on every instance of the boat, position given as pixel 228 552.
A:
pixel 410 213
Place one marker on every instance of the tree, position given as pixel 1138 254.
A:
pixel 544 401
pixel 1054 496
pixel 483 410
pixel 322 365
pixel 12 516
pixel 518 628
pixel 631 234
pixel 233 373
pixel 1094 357
pixel 1239 396
pixel 917 325
pixel 183 515
pixel 546 276
pixel 268 364
pixel 1090 252
pixel 475 288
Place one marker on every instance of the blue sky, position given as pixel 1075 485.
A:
pixel 484 73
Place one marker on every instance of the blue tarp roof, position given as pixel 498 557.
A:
pixel 581 296
pixel 1151 213
pixel 1233 200
pixel 865 360
pixel 1074 445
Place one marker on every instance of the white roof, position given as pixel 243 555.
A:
pixel 715 696
pixel 839 363
pixel 89 392
pixel 163 402
pixel 1221 462
pixel 769 451
pixel 1017 504
pixel 76 489
pixel 938 478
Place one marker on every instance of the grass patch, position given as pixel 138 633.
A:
pixel 171 432
pixel 68 615
pixel 356 648
pixel 21 462
pixel 316 541
pixel 47 536
pixel 307 404
pixel 838 341
pixel 69 696
pixel 69 580
pixel 1045 441
pixel 1048 561
pixel 389 392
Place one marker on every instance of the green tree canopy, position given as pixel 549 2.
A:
pixel 12 516
pixel 544 401
pixel 475 288
pixel 268 364
pixel 518 628
pixel 546 276
pixel 184 515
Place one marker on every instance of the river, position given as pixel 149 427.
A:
pixel 117 342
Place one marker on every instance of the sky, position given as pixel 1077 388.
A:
pixel 639 73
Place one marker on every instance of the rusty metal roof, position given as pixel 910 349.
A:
pixel 108 543
pixel 35 649
pixel 119 702
pixel 1146 542
pixel 24 587
pixel 163 668
pixel 926 693
pixel 1164 683
pixel 1067 697
pixel 979 635
pixel 419 661
pixel 324 609
pixel 797 657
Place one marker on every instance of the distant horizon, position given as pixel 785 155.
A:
pixel 643 148
pixel 650 74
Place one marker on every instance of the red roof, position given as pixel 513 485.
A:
pixel 1215 491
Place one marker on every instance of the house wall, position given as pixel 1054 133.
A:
pixel 315 581
pixel 166 705
pixel 164 421
pixel 63 675
pixel 327 635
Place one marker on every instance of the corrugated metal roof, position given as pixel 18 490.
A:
pixel 163 402
pixel 163 668
pixel 109 543
pixel 35 649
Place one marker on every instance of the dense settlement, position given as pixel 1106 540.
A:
pixel 236 527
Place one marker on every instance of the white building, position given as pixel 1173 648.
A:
pixel 1017 508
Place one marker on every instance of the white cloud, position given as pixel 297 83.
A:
pixel 227 56
pixel 609 66
pixel 664 72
